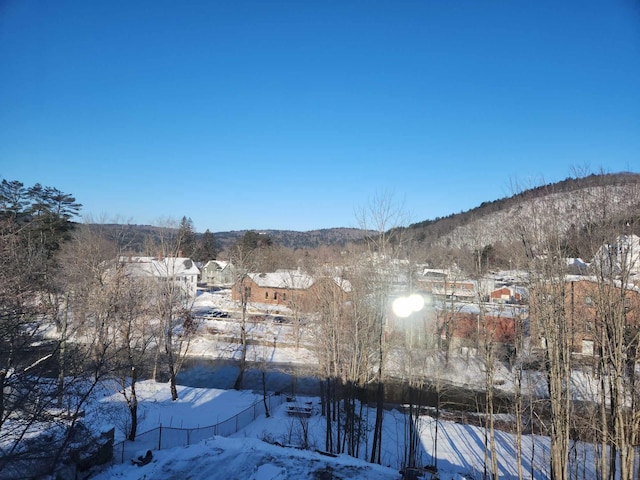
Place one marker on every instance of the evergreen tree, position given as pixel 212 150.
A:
pixel 38 217
pixel 187 238
pixel 252 241
pixel 207 248
pixel 13 198
pixel 51 212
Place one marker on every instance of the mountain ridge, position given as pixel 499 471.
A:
pixel 480 226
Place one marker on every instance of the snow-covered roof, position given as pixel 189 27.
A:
pixel 434 272
pixel 490 309
pixel 593 279
pixel 160 267
pixel 283 279
pixel 575 262
pixel 220 264
pixel 292 279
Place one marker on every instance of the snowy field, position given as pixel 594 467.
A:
pixel 255 453
pixel 279 342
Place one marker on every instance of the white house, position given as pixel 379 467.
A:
pixel 218 272
pixel 621 256
pixel 180 270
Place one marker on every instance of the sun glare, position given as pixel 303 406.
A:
pixel 404 306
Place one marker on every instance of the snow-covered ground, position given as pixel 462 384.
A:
pixel 247 459
pixel 255 452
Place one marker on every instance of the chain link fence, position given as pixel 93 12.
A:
pixel 169 437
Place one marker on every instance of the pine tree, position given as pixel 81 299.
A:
pixel 187 238
pixel 207 248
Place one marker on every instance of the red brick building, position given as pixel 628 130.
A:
pixel 288 288
pixel 508 295
pixel 586 306
pixel 472 324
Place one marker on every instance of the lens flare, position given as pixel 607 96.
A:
pixel 416 302
pixel 404 306
pixel 401 307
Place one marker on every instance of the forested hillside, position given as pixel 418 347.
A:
pixel 578 203
pixel 490 225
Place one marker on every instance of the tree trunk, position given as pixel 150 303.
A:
pixel 174 388
pixel 3 376
pixel 62 353
pixel 328 432
pixel 242 364
pixel 133 410
pixel 264 393
pixel 377 431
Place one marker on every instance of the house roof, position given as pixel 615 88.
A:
pixel 490 309
pixel 160 267
pixel 219 264
pixel 594 279
pixel 292 280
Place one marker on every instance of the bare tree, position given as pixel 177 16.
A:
pixel 34 227
pixel 172 300
pixel 243 257
pixel 134 336
pixel 613 311
pixel 173 308
pixel 330 306
pixel 540 236
pixel 109 304
pixel 385 219
pixel 22 402
pixel 297 284
pixel 85 304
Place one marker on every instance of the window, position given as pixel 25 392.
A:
pixel 284 297
pixel 275 295
pixel 587 347
pixel 266 295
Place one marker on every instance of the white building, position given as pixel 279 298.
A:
pixel 182 271
pixel 621 256
pixel 218 272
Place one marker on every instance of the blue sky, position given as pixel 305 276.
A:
pixel 292 115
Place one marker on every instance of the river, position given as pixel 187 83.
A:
pixel 297 379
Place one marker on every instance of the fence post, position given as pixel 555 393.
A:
pixel 160 437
